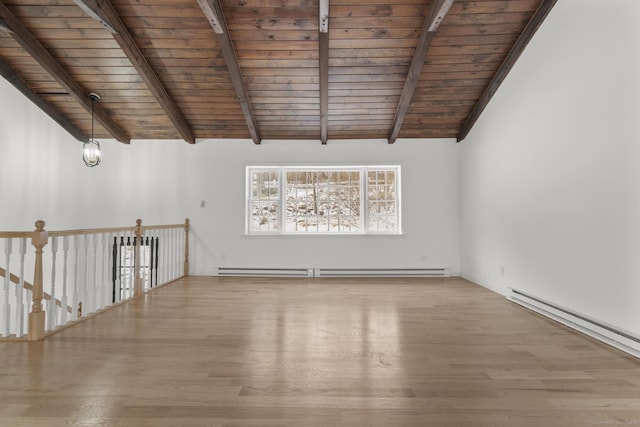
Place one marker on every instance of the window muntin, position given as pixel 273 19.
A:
pixel 323 200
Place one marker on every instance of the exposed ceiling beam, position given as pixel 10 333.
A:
pixel 212 9
pixel 94 9
pixel 105 13
pixel 50 110
pixel 4 26
pixel 517 49
pixel 437 12
pixel 323 54
pixel 38 52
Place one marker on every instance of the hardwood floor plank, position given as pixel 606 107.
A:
pixel 208 351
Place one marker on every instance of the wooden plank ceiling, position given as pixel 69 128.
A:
pixel 264 69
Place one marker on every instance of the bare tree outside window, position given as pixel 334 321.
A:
pixel 323 200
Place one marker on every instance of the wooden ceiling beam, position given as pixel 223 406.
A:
pixel 212 9
pixel 323 54
pixel 41 55
pixel 437 12
pixel 104 12
pixel 517 49
pixel 48 109
pixel 94 9
pixel 4 26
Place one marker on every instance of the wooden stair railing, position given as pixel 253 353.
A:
pixel 99 268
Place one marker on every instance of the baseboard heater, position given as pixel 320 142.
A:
pixel 610 335
pixel 265 272
pixel 382 272
pixel 333 272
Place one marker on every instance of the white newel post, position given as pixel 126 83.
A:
pixel 37 315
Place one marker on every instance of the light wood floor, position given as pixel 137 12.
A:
pixel 289 352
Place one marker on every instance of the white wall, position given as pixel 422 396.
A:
pixel 429 192
pixel 550 175
pixel 42 177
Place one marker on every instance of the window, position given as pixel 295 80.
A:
pixel 323 200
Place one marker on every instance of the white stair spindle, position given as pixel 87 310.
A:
pixel 82 277
pixel 124 256
pixel 6 307
pixel 93 284
pixel 20 291
pixel 131 253
pixel 172 254
pixel 87 275
pixel 118 271
pixel 124 270
pixel 101 283
pixel 65 268
pixel 51 303
pixel 147 260
pixel 76 274
pixel 160 249
pixel 167 256
pixel 108 272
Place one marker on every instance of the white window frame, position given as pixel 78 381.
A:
pixel 364 202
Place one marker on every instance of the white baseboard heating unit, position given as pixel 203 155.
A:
pixel 610 335
pixel 333 272
pixel 265 272
pixel 382 272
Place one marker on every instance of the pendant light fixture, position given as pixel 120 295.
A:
pixel 91 149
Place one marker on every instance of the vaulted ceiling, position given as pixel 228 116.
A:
pixel 264 69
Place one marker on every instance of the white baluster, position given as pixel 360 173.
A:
pixel 132 266
pixel 86 287
pixel 20 306
pixel 108 288
pixel 101 284
pixel 28 296
pixel 180 247
pixel 126 257
pixel 63 298
pixel 176 258
pixel 51 303
pixel 6 307
pixel 131 252
pixel 76 274
pixel 82 285
pixel 152 260
pixel 172 254
pixel 147 260
pixel 93 284
pixel 118 271
pixel 167 255
pixel 167 258
pixel 143 261
pixel 162 263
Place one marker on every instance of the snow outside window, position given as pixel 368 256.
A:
pixel 323 200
